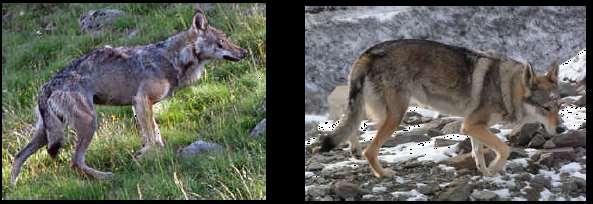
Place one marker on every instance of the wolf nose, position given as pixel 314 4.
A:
pixel 560 129
pixel 243 52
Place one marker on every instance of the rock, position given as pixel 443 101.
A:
pixel 466 161
pixel 484 195
pixel 531 194
pixel 549 144
pixel 459 190
pixel 569 187
pixel 555 157
pixel 581 102
pixel 566 89
pixel 537 141
pixel 197 148
pixel 434 133
pixel 345 190
pixel 444 142
pixel 513 167
pixel 95 21
pixel 337 101
pixel 428 189
pixel 369 197
pixel 327 29
pixel 464 146
pixel 571 138
pixel 415 135
pixel 452 127
pixel 437 124
pixel 540 181
pixel 523 176
pixel 259 129
pixel 317 190
pixel 315 166
pixel 412 118
pixel 525 134
pixel 425 119
pixel 581 183
pixel 517 153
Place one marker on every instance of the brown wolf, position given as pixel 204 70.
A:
pixel 483 88
pixel 140 76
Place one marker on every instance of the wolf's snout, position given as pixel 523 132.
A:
pixel 243 53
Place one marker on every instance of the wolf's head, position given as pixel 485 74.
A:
pixel 212 43
pixel 541 98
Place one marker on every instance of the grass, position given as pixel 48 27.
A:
pixel 221 108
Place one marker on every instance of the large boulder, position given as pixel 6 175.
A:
pixel 335 36
pixel 94 21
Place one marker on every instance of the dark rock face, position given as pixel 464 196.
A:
pixel 335 36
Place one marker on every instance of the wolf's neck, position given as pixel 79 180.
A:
pixel 181 52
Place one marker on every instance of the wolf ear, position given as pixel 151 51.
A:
pixel 529 76
pixel 200 22
pixel 552 74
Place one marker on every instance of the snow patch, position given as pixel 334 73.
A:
pixel 309 174
pixel 573 116
pixel 413 195
pixel 503 193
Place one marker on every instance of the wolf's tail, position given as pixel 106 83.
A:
pixel 355 111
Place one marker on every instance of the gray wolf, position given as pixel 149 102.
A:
pixel 484 88
pixel 139 76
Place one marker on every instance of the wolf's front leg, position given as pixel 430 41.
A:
pixel 143 111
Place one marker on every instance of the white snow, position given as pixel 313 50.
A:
pixel 379 189
pixel 574 69
pixel 446 168
pixel 553 175
pixel 522 161
pixel 399 179
pixel 503 193
pixel 580 198
pixel 573 169
pixel 573 116
pixel 309 174
pixel 424 111
pixel 352 163
pixel 518 199
pixel 413 195
pixel 545 195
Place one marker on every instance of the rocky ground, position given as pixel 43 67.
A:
pixel 432 161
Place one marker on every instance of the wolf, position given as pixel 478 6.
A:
pixel 139 76
pixel 483 87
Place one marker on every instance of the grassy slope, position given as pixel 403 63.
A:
pixel 221 108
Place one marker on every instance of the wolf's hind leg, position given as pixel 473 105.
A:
pixel 84 120
pixel 478 154
pixel 354 145
pixel 395 103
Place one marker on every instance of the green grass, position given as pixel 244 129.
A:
pixel 221 108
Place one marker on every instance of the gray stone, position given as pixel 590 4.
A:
pixel 484 195
pixel 531 194
pixel 517 153
pixel 315 166
pixel 412 118
pixel 415 135
pixel 428 189
pixel 459 190
pixel 571 138
pixel 549 144
pixel 346 190
pixel 198 148
pixel 95 21
pixel 494 130
pixel 317 190
pixel 434 133
pixel 555 157
pixel 438 142
pixel 520 31
pixel 539 181
pixel 537 141
pixel 525 134
pixel 259 129
pixel 452 127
